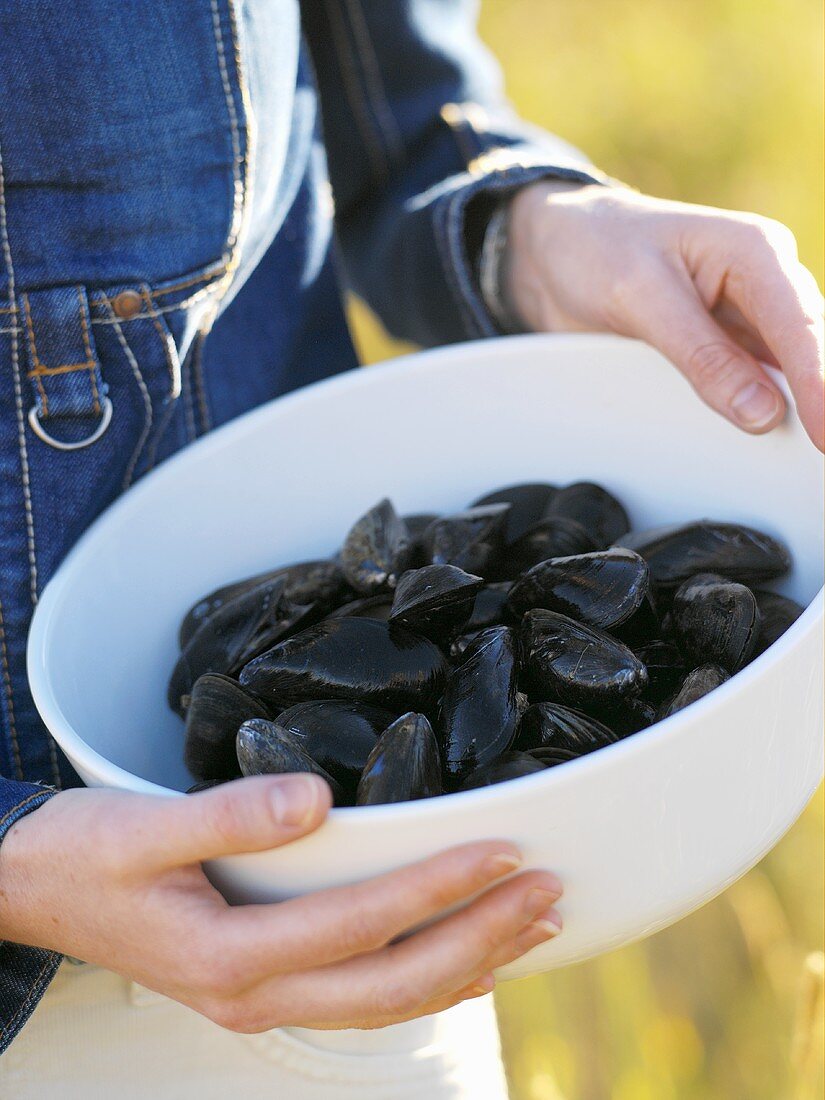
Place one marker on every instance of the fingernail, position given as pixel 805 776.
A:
pixel 543 928
pixel 755 405
pixel 294 799
pixel 502 863
pixel 539 899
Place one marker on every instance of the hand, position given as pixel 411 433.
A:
pixel 716 292
pixel 115 879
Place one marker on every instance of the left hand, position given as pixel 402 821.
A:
pixel 715 291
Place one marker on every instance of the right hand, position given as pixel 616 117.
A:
pixel 115 878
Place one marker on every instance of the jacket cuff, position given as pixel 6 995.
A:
pixel 25 972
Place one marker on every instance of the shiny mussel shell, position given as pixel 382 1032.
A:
pixel 490 607
pixel 550 725
pixel 716 622
pixel 528 504
pixel 601 589
pixel 435 601
pixel 666 668
pixel 404 764
pixel 472 540
pixel 776 614
pixel 337 735
pixel 480 708
pixel 265 748
pixel 217 708
pixel 675 554
pixel 376 550
pixel 418 524
pixel 629 714
pixel 597 510
pixel 368 607
pixel 701 681
pixel 551 537
pixel 512 765
pixel 358 659
pixel 568 662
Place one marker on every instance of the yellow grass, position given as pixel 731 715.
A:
pixel 714 101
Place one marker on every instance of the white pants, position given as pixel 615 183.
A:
pixel 97 1036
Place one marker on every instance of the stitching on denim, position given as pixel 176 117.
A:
pixel 58 782
pixel 349 73
pixel 7 309
pixel 18 394
pixel 373 84
pixel 147 399
pixel 64 368
pixel 14 329
pixel 200 384
pixel 90 356
pixel 234 128
pixel 38 366
pixel 15 810
pixel 15 747
pixel 212 274
pixel 185 304
pixel 172 361
pixel 33 992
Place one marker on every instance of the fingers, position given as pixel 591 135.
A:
pixel 248 815
pixel 322 928
pixel 779 297
pixel 396 981
pixel 724 375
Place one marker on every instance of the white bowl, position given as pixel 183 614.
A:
pixel 641 832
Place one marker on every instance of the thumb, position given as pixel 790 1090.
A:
pixel 725 376
pixel 246 815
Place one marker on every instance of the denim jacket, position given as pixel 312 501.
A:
pixel 185 187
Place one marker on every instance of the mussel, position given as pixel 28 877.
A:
pixel 352 658
pixel 473 540
pixel 568 662
pixel 677 553
pixel 776 614
pixel 435 601
pixel 716 621
pixel 551 537
pixel 367 607
pixel 512 765
pixel 602 589
pixel 337 735
pixel 480 708
pixel 217 707
pixel 265 748
pixel 377 550
pixel 627 715
pixel 591 505
pixel 528 504
pixel 701 681
pixel 490 607
pixel 666 668
pixel 418 524
pixel 553 726
pixel 404 764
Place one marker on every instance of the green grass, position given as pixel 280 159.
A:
pixel 719 102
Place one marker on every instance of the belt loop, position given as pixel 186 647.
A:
pixel 64 368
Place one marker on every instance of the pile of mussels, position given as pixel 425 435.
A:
pixel 440 653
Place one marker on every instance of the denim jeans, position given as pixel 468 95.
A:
pixel 185 188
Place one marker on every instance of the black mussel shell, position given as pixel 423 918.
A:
pixel 418 525
pixel 472 540
pixel 490 607
pixel 642 625
pixel 459 644
pixel 480 707
pixel 716 622
pixel 552 537
pixel 568 662
pixel 598 511
pixel 404 764
pixel 435 601
pixel 352 658
pixel 627 715
pixel 677 553
pixel 528 504
pixel 551 755
pixel 512 765
pixel 337 735
pixel 550 725
pixel 224 639
pixel 217 707
pixel 368 607
pixel 307 582
pixel 377 550
pixel 206 785
pixel 776 613
pixel 265 748
pixel 697 683
pixel 602 589
pixel 666 668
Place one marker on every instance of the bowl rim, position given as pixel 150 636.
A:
pixel 112 774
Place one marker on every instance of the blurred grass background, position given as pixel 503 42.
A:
pixel 718 102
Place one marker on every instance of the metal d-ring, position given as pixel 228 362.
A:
pixel 106 409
